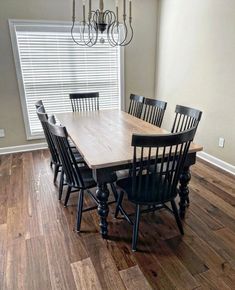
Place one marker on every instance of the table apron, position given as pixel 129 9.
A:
pixel 104 175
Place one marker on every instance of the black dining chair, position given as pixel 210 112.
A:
pixel 77 177
pixel 154 111
pixel 55 159
pixel 38 104
pixel 185 118
pixel 84 102
pixel 136 105
pixel 157 163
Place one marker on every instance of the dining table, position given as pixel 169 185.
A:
pixel 103 138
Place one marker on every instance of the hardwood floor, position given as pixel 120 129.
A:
pixel 40 250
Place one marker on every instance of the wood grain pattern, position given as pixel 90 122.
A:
pixel 16 273
pixel 213 199
pixel 85 275
pixel 187 256
pixel 6 165
pixel 33 223
pixel 58 259
pixel 209 280
pixel 104 264
pixel 104 137
pixel 3 253
pixel 37 264
pixel 4 186
pixel 134 279
pixel 203 231
pixel 40 250
pixel 176 271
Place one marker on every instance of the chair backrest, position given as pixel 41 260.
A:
pixel 136 105
pixel 185 118
pixel 157 163
pixel 154 111
pixel 42 116
pixel 84 102
pixel 38 104
pixel 69 164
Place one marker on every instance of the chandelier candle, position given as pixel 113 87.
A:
pixel 117 13
pixel 89 16
pixel 101 5
pixel 101 22
pixel 84 11
pixel 124 8
pixel 130 8
pixel 73 10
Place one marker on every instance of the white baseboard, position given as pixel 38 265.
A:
pixel 22 148
pixel 217 162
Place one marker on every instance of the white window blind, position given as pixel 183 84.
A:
pixel 51 67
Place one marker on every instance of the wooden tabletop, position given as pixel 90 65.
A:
pixel 104 137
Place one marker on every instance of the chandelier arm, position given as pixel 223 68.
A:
pixel 73 25
pixel 112 27
pixel 111 40
pixel 72 35
pixel 118 33
pixel 83 34
pixel 112 34
pixel 132 35
pixel 112 20
pixel 91 41
pixel 125 35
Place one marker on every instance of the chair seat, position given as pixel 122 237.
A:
pixel 153 194
pixel 87 177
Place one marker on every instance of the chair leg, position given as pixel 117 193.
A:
pixel 79 210
pixel 51 164
pixel 114 190
pixel 119 207
pixel 136 228
pixel 61 186
pixel 56 172
pixel 177 218
pixel 119 202
pixel 67 196
pixel 187 200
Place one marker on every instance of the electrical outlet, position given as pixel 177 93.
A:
pixel 221 142
pixel 2 133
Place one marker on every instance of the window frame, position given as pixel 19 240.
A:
pixel 14 22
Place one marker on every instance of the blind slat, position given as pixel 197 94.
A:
pixel 53 66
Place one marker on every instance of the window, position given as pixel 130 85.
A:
pixel 50 66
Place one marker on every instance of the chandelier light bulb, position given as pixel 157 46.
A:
pixel 102 40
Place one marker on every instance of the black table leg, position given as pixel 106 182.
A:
pixel 185 178
pixel 102 194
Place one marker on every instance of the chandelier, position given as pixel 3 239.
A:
pixel 102 25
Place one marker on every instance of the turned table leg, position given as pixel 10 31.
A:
pixel 185 178
pixel 102 194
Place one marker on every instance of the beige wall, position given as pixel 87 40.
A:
pixel 139 56
pixel 196 67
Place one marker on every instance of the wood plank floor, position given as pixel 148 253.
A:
pixel 40 250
